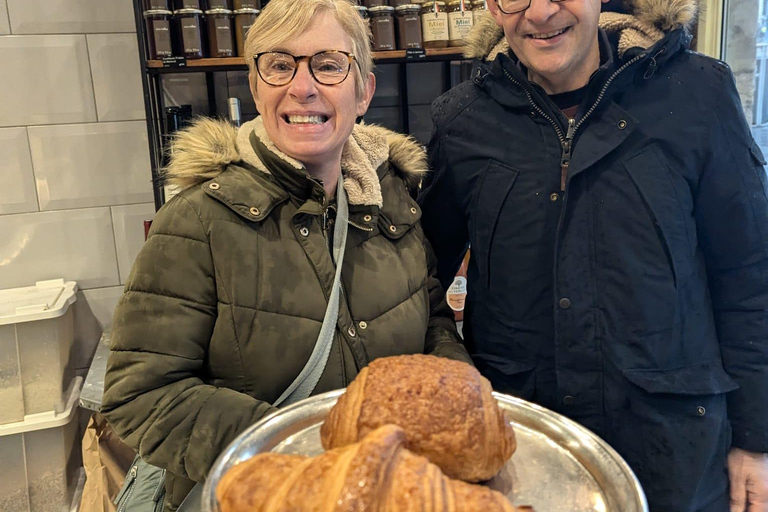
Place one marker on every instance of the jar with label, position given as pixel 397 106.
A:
pixel 408 26
pixel 398 3
pixel 244 18
pixel 158 23
pixel 154 5
pixel 189 32
pixel 478 8
pixel 220 4
pixel 456 295
pixel 382 27
pixel 363 11
pixel 188 4
pixel 460 21
pixel 221 37
pixel 434 25
pixel 247 4
pixel 375 3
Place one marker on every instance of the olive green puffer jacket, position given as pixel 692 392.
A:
pixel 225 301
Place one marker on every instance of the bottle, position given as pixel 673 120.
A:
pixel 235 117
pixel 456 295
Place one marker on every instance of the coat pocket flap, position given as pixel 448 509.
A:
pixel 502 365
pixel 699 379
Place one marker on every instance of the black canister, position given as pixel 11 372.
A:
pixel 189 30
pixel 221 35
pixel 157 5
pixel 188 4
pixel 159 39
pixel 382 27
pixel 244 18
pixel 220 4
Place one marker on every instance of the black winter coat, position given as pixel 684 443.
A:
pixel 636 300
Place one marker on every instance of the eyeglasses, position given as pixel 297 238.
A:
pixel 327 68
pixel 515 6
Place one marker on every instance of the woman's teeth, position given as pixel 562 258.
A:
pixel 548 35
pixel 306 119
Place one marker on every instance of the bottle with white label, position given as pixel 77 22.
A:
pixel 460 21
pixel 456 295
pixel 434 25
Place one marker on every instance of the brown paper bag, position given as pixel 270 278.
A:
pixel 106 459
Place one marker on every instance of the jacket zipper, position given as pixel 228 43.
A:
pixel 566 142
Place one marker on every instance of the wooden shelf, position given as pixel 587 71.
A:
pixel 234 63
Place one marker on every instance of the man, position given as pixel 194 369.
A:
pixel 615 204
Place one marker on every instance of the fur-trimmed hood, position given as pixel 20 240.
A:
pixel 644 24
pixel 203 150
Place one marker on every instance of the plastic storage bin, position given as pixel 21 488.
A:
pixel 41 459
pixel 36 343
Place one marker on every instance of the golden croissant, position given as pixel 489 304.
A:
pixel 375 475
pixel 445 408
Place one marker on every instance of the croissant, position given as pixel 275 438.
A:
pixel 445 408
pixel 375 475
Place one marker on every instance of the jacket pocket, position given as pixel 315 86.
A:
pixel 517 378
pixel 497 181
pixel 671 206
pixel 678 423
pixel 143 489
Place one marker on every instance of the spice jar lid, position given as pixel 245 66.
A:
pixel 218 11
pixel 188 11
pixel 247 10
pixel 408 7
pixel 381 8
pixel 157 12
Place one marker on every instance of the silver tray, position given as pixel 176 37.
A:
pixel 559 466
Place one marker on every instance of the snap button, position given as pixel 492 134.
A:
pixel 554 196
pixel 701 411
pixel 367 218
pixel 213 186
pixel 393 229
pixel 363 325
pixel 568 400
pixel 254 211
pixel 413 210
pixel 304 232
pixel 351 331
pixel 622 124
pixel 565 303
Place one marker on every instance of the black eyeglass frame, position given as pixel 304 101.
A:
pixel 498 4
pixel 298 58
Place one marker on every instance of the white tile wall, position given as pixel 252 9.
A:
pixel 116 76
pixel 128 222
pixel 76 245
pixel 93 311
pixel 83 165
pixel 71 16
pixel 17 194
pixel 5 25
pixel 45 80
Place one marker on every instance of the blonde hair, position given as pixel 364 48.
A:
pixel 283 20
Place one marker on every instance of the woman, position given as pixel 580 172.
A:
pixel 226 300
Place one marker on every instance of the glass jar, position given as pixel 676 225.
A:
pixel 408 26
pixel 244 18
pixel 460 21
pixel 478 8
pixel 363 11
pixel 219 4
pixel 221 38
pixel 434 25
pixel 375 3
pixel 157 5
pixel 247 4
pixel 188 4
pixel 189 32
pixel 398 3
pixel 382 27
pixel 158 23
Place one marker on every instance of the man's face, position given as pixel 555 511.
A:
pixel 556 41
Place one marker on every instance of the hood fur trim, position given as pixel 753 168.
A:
pixel 645 23
pixel 203 150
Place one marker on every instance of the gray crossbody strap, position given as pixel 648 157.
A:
pixel 305 383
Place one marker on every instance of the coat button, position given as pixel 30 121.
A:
pixel 413 210
pixel 554 196
pixel 565 303
pixel 363 325
pixel 701 411
pixel 352 332
pixel 304 232
pixel 213 186
pixel 367 218
pixel 393 229
pixel 568 400
pixel 254 211
pixel 622 124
